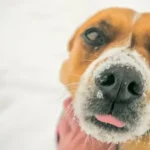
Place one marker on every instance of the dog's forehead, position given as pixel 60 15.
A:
pixel 120 18
pixel 142 23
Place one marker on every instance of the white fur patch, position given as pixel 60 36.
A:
pixel 136 17
pixel 116 56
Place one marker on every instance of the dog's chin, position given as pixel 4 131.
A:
pixel 104 132
pixel 108 133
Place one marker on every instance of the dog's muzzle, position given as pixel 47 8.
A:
pixel 114 102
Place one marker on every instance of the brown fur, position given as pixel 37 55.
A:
pixel 120 22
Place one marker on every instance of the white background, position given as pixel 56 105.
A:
pixel 33 39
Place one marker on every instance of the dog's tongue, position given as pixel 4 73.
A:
pixel 111 120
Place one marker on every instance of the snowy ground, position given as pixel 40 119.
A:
pixel 33 35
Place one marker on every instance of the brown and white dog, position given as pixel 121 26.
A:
pixel 108 76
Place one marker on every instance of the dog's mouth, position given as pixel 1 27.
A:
pixel 118 116
pixel 108 122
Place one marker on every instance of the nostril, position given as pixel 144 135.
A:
pixel 134 88
pixel 108 80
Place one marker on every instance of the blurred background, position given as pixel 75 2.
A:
pixel 33 44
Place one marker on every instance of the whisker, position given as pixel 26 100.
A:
pixel 70 110
pixel 86 60
pixel 62 96
pixel 76 83
pixel 72 89
pixel 94 55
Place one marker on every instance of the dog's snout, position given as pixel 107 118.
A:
pixel 120 83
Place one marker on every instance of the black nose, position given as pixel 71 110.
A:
pixel 120 84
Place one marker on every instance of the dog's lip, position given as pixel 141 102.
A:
pixel 105 126
pixel 110 120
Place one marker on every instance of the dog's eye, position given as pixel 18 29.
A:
pixel 94 37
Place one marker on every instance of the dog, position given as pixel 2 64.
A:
pixel 108 76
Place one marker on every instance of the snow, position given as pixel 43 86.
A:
pixel 34 35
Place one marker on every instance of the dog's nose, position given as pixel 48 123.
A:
pixel 120 84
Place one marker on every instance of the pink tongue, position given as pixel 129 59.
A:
pixel 111 120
